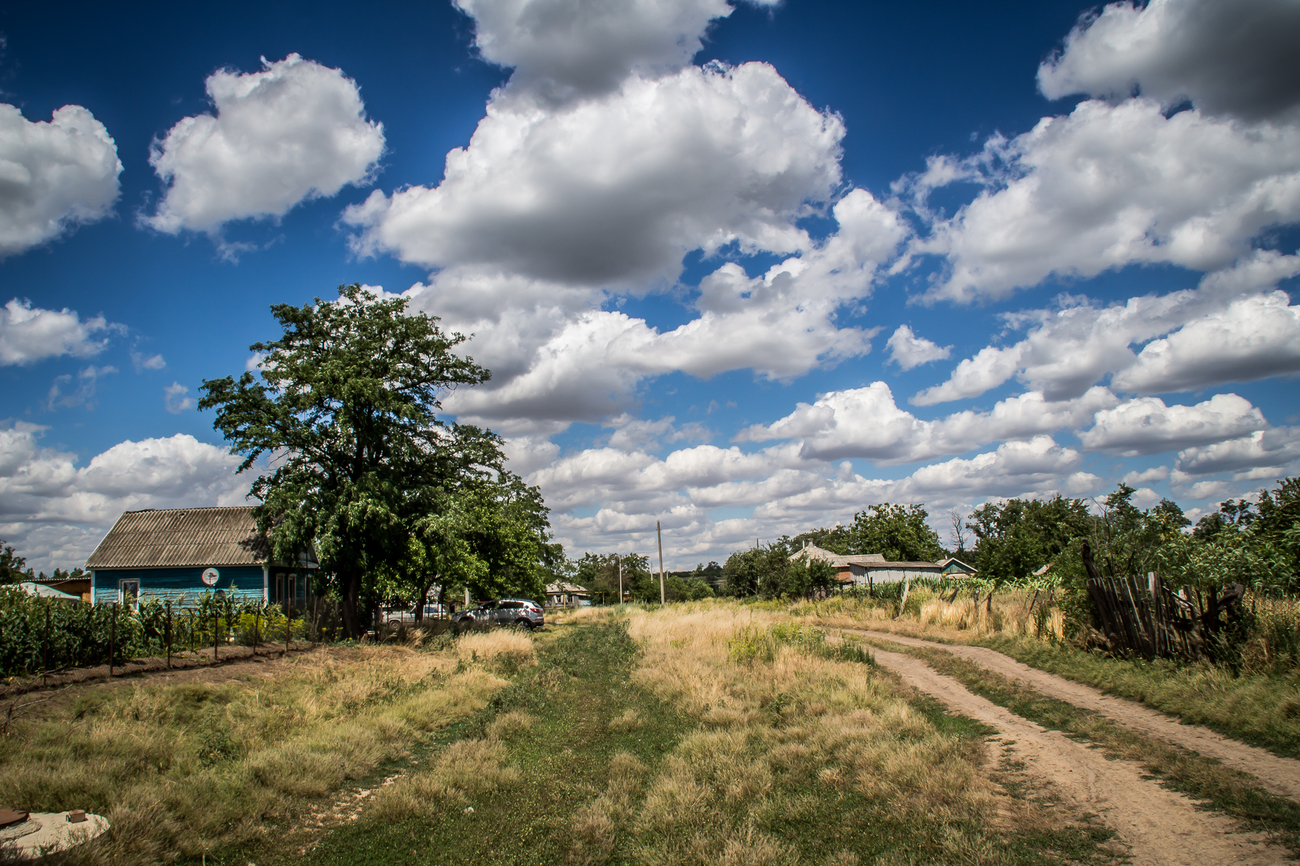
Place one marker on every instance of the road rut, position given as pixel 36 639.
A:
pixel 1158 826
pixel 1276 774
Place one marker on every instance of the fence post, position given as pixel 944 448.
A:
pixel 169 635
pixel 257 618
pixel 288 611
pixel 48 604
pixel 112 637
pixel 216 627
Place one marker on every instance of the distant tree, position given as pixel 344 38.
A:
pixel 1016 537
pixel 960 531
pixel 899 533
pixel 347 404
pixel 12 566
pixel 768 572
pixel 598 574
pixel 836 539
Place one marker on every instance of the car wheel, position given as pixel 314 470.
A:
pixel 525 625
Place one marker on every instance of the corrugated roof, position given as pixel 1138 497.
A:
pixel 865 560
pixel 178 537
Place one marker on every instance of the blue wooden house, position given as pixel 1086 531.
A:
pixel 179 554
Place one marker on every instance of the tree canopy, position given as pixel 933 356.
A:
pixel 346 407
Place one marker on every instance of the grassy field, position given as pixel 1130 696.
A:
pixel 704 733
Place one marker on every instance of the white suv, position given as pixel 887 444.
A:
pixel 522 612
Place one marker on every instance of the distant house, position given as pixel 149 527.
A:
pixel 954 567
pixel 41 590
pixel 869 569
pixel 179 554
pixel 565 594
pixel 78 587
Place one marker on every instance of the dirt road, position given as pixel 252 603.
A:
pixel 1279 775
pixel 1158 826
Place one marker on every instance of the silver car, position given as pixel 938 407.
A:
pixel 521 612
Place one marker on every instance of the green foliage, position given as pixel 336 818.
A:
pixel 900 533
pixel 11 565
pixel 768 572
pixel 42 634
pixel 598 574
pixel 367 472
pixel 1017 537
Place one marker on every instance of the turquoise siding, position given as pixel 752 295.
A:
pixel 180 585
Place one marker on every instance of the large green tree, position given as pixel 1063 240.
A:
pixel 1016 537
pixel 346 407
pixel 900 533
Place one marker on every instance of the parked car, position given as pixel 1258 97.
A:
pixel 521 612
pixel 400 616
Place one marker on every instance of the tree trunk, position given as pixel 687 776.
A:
pixel 419 602
pixel 353 625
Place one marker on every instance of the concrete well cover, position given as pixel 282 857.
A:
pixel 47 832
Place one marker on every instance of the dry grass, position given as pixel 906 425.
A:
pixel 498 644
pixel 185 768
pixel 767 729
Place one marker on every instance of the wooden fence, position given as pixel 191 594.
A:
pixel 1143 617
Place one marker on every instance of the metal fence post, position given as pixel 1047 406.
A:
pixel 112 637
pixel 168 635
pixel 216 627
pixel 48 604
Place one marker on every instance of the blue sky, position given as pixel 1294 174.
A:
pixel 741 268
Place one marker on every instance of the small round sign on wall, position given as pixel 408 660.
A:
pixel 211 576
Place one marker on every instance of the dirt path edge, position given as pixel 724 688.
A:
pixel 1276 774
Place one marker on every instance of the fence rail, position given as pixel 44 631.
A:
pixel 1144 617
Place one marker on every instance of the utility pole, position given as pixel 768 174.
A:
pixel 660 535
pixel 619 559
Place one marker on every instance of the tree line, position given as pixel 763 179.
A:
pixel 1013 542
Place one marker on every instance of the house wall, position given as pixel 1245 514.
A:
pixel 180 585
pixel 890 575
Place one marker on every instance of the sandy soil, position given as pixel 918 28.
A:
pixel 1158 827
pixel 1279 775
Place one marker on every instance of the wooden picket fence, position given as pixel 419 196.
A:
pixel 1144 617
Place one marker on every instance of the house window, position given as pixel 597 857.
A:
pixel 129 594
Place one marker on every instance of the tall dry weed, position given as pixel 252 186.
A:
pixel 774 724
pixel 184 768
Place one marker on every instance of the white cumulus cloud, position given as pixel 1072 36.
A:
pixel 54 175
pixel 1112 185
pixel 295 130
pixel 1226 58
pixel 572 48
pixel 28 335
pixel 1147 426
pixel 1255 337
pixel 908 350
pixel 1068 349
pixel 620 187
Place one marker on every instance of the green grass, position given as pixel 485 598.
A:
pixel 633 740
pixel 1228 791
pixel 576 782
pixel 1260 709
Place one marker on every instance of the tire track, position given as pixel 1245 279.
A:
pixel 1158 826
pixel 1276 774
